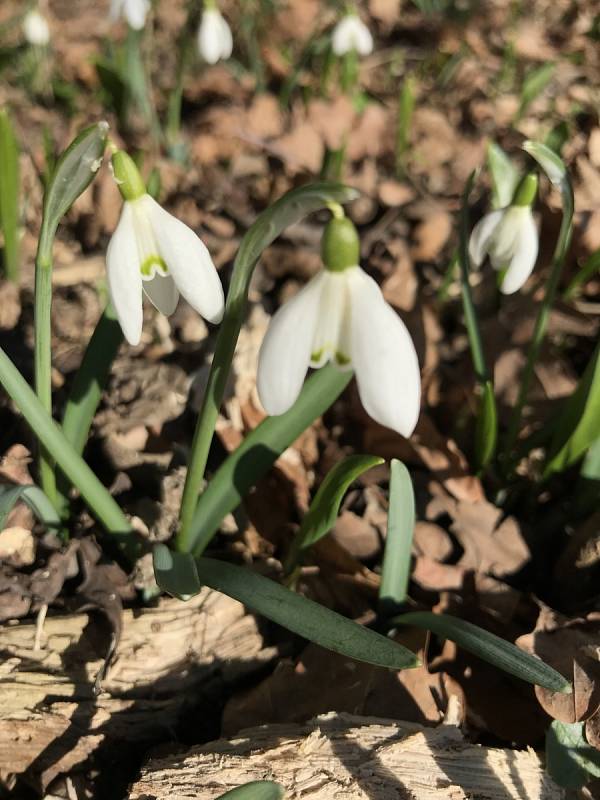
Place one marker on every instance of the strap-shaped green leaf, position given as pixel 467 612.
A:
pixel 579 423
pixel 290 208
pixel 35 499
pixel 9 195
pixel 259 451
pixel 489 647
pixel 398 542
pixel 256 790
pixel 570 760
pixel 323 511
pixel 73 173
pixel 504 174
pixel 175 573
pixel 304 617
pixel 98 498
pixel 534 84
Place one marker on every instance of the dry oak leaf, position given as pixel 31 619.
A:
pixel 572 647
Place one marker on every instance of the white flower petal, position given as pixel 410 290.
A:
pixel 285 352
pixel 35 28
pixel 482 234
pixel 188 261
pixel 328 329
pixel 124 278
pixel 209 36
pixel 135 12
pixel 162 293
pixel 351 34
pixel 384 358
pixel 226 39
pixel 524 258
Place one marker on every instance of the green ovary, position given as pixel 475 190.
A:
pixel 151 265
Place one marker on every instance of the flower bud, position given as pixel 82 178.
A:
pixel 340 245
pixel 127 176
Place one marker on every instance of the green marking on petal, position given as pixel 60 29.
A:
pixel 341 359
pixel 317 355
pixel 151 265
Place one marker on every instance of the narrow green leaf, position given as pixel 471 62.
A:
pixel 304 617
pixel 91 378
pixel 259 451
pixel 579 423
pixel 34 498
pixel 486 431
pixel 406 107
pixel 97 497
pixel 323 511
pixel 290 208
pixel 570 760
pixel 534 84
pixel 73 173
pixel 398 542
pixel 175 573
pixel 256 790
pixel 550 162
pixel 504 174
pixel 9 195
pixel 488 647
pixel 587 489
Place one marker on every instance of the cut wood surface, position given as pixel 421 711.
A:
pixel 343 757
pixel 50 720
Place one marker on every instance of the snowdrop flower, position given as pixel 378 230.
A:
pixel 153 251
pixel 35 28
pixel 214 35
pixel 134 11
pixel 351 34
pixel 341 316
pixel 509 236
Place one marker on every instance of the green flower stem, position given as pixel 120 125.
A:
pixel 487 422
pixel 541 323
pixel 55 443
pixel 587 271
pixel 289 209
pixel 43 351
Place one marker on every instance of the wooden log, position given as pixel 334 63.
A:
pixel 343 757
pixel 50 719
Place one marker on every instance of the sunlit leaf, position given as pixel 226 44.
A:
pixel 175 573
pixel 489 647
pixel 534 84
pixel 9 195
pixel 398 541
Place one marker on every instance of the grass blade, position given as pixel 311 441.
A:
pixel 259 451
pixel 9 196
pixel 398 543
pixel 488 647
pixel 534 84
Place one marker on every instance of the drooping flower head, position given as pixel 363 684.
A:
pixel 134 11
pixel 214 35
pixel 341 316
pixel 153 251
pixel 509 237
pixel 35 28
pixel 351 35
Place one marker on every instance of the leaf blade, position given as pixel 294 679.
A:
pixel 398 542
pixel 35 498
pixel 9 195
pixel 303 616
pixel 255 790
pixel 489 647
